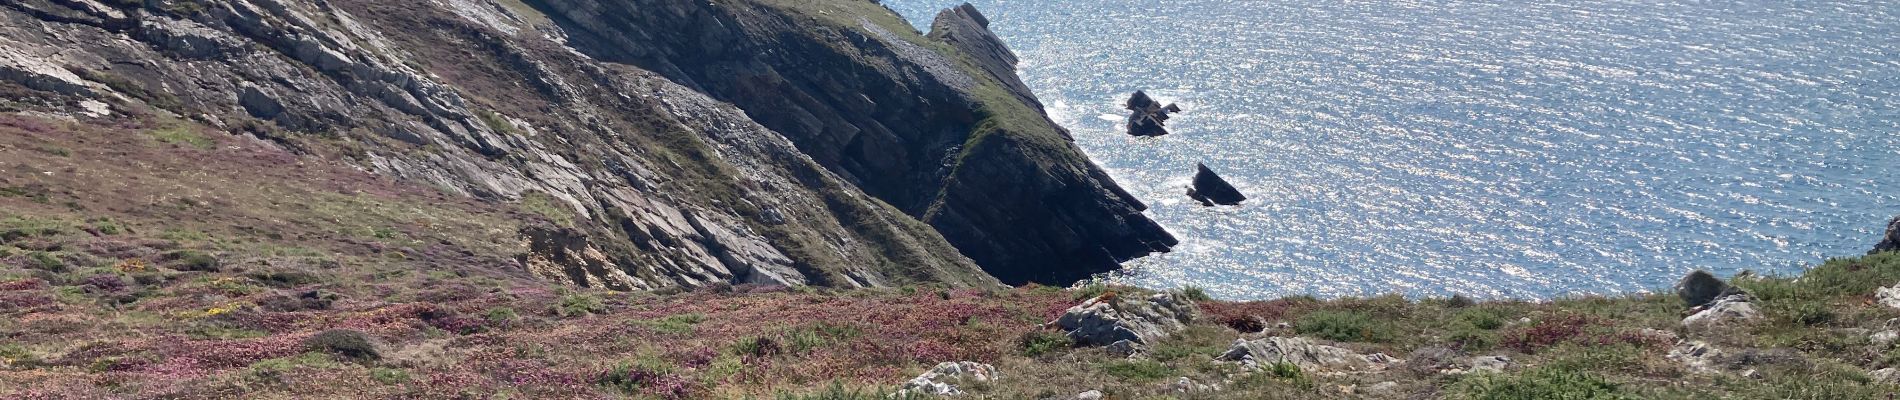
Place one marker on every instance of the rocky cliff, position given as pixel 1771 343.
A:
pixel 670 142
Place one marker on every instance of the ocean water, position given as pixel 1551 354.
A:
pixel 1507 148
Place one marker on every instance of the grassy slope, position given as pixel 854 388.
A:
pixel 1002 113
pixel 151 259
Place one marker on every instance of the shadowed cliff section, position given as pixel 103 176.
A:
pixel 938 125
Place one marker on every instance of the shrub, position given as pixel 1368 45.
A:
pixel 837 391
pixel 501 315
pixel 108 283
pixel 190 260
pixel 1542 383
pixel 1036 343
pixel 1285 370
pixel 1195 293
pixel 1343 326
pixel 1547 332
pixel 756 346
pixel 344 343
pixel 648 380
pixel 816 336
pixel 1811 314
pixel 1090 291
pixel 14 356
pixel 389 376
pixel 1138 370
pixel 46 261
pixel 1482 318
pixel 1460 301
pixel 579 304
pixel 673 324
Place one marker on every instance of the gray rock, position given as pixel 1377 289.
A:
pixel 1725 310
pixel 1888 296
pixel 1885 376
pixel 1890 242
pixel 1697 355
pixel 943 379
pixel 1147 118
pixel 1488 364
pixel 1125 348
pixel 1701 287
pixel 1106 320
pixel 1089 395
pixel 1210 189
pixel 1185 385
pixel 1305 353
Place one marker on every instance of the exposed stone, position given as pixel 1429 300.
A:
pixel 1701 288
pixel 1890 242
pixel 896 119
pixel 1110 318
pixel 1185 385
pixel 1305 353
pixel 355 70
pixel 1488 364
pixel 1724 310
pixel 1887 334
pixel 1210 189
pixel 1125 348
pixel 1089 395
pixel 1888 296
pixel 1699 356
pixel 1885 376
pixel 943 380
pixel 1148 118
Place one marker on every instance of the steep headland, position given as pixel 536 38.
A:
pixel 855 151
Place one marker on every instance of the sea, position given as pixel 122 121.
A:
pixel 1520 149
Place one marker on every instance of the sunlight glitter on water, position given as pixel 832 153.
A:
pixel 1486 148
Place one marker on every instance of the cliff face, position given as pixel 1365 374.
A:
pixel 647 182
pixel 937 125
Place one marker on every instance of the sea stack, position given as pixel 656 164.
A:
pixel 1148 118
pixel 1210 189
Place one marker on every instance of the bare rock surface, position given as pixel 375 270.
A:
pixel 1128 323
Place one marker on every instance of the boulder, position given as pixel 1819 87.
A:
pixel 1697 355
pixel 1888 296
pixel 1210 189
pixel 1888 333
pixel 1892 241
pixel 1885 376
pixel 1305 353
pixel 1724 310
pixel 943 379
pixel 1185 385
pixel 1701 288
pixel 1109 319
pixel 1148 117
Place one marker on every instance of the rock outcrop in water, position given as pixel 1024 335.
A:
pixel 1890 242
pixel 858 153
pixel 1148 117
pixel 1209 189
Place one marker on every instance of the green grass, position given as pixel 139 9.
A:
pixel 579 304
pixel 673 324
pixel 1542 383
pixel 184 135
pixel 1137 370
pixel 1037 343
pixel 548 207
pixel 1344 326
